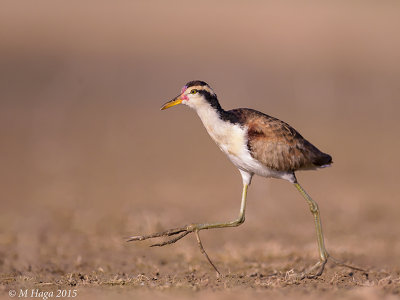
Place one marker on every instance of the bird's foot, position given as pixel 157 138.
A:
pixel 318 269
pixel 313 272
pixel 179 233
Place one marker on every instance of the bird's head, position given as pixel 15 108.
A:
pixel 194 94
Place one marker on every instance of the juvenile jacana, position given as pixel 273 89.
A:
pixel 257 144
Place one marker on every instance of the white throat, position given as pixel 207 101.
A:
pixel 229 137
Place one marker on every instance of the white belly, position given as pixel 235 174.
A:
pixel 247 163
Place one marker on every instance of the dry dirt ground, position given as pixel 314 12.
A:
pixel 105 267
pixel 87 159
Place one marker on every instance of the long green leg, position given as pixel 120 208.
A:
pixel 183 231
pixel 323 254
pixel 234 223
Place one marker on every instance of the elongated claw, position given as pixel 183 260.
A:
pixel 160 234
pixel 205 253
pixel 136 238
pixel 171 241
pixel 340 263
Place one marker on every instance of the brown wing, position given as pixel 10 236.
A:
pixel 277 145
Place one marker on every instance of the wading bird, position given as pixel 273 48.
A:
pixel 257 144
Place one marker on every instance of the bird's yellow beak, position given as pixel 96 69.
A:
pixel 177 100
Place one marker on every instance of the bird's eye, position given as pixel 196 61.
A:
pixel 194 91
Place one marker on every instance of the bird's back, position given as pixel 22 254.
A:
pixel 276 144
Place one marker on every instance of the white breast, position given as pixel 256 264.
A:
pixel 232 140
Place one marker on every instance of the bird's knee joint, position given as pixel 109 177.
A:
pixel 240 220
pixel 314 208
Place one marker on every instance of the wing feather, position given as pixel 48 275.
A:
pixel 277 145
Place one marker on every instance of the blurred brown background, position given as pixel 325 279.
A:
pixel 87 158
